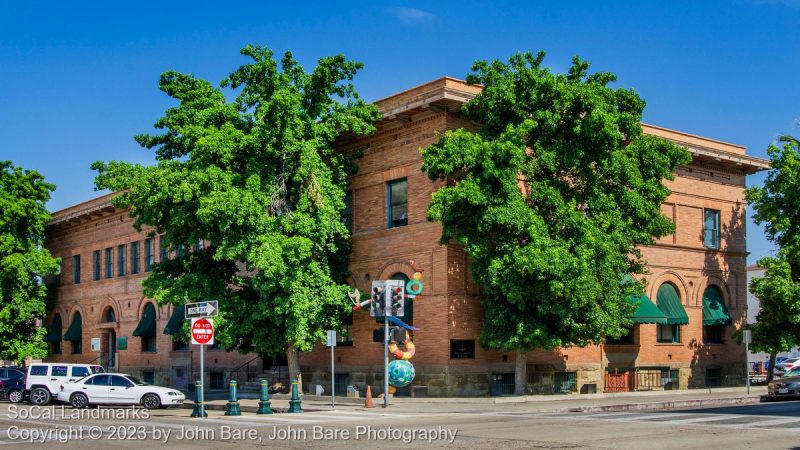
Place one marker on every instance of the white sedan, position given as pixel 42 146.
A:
pixel 117 389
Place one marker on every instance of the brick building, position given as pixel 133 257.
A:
pixel 696 295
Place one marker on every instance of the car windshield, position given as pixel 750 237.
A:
pixel 137 381
pixel 792 372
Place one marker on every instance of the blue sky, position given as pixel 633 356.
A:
pixel 77 82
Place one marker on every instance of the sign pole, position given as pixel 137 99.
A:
pixel 747 337
pixel 333 395
pixel 202 382
pixel 386 356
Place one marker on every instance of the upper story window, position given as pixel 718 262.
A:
pixel 109 263
pixel 121 258
pixel 135 257
pixel 179 251
pixel 347 212
pixel 76 269
pixel 96 264
pixel 198 245
pixel 163 247
pixel 148 254
pixel 397 192
pixel 711 228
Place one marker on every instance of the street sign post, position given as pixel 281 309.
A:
pixel 332 344
pixel 202 309
pixel 202 331
pixel 748 336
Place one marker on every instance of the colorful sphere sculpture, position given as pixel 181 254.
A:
pixel 401 373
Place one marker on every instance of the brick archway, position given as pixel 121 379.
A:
pixel 674 279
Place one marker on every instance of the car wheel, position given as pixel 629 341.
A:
pixel 14 396
pixel 79 401
pixel 40 396
pixel 151 401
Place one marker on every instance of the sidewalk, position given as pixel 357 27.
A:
pixel 621 401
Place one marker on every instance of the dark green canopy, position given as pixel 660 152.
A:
pixel 54 330
pixel 646 311
pixel 147 324
pixel 670 304
pixel 75 330
pixel 714 311
pixel 176 320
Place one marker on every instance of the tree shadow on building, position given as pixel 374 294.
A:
pixel 719 359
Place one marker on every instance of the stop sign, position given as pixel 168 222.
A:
pixel 202 331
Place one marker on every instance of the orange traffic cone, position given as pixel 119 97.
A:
pixel 368 399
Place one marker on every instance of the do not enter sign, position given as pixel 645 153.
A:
pixel 202 331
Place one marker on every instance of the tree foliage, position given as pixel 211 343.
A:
pixel 23 261
pixel 257 178
pixel 777 326
pixel 550 198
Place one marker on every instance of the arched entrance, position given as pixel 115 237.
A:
pixel 108 324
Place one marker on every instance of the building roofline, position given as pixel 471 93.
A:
pixel 97 206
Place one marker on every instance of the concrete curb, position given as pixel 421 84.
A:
pixel 673 404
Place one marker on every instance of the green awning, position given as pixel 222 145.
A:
pixel 176 320
pixel 646 311
pixel 75 330
pixel 670 304
pixel 54 330
pixel 714 311
pixel 147 324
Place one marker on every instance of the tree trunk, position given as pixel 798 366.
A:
pixel 293 358
pixel 521 373
pixel 771 371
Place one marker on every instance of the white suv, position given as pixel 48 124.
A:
pixel 44 380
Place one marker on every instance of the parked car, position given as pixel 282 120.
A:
pixel 44 380
pixel 786 364
pixel 117 389
pixel 793 372
pixel 784 387
pixel 13 389
pixel 11 373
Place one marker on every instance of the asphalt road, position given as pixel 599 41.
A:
pixel 760 426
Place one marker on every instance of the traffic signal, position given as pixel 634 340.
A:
pixel 378 298
pixel 396 290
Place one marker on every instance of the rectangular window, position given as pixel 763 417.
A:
pixel 121 260
pixel 711 228
pixel 198 245
pixel 57 348
pixel 344 336
pixel 135 257
pixel 713 334
pixel 669 334
pixel 77 347
pixel 96 264
pixel 347 212
pixel 38 371
pixel 397 192
pixel 179 251
pixel 179 345
pixel 162 246
pixel 76 269
pixel 625 339
pixel 149 344
pixel 109 263
pixel 148 254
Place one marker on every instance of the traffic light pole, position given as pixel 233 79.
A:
pixel 386 358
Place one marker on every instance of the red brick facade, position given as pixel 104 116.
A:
pixel 451 309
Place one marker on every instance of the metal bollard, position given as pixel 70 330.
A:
pixel 264 406
pixel 232 407
pixel 294 402
pixel 197 408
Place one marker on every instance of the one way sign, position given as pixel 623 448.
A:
pixel 202 309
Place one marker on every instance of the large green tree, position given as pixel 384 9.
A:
pixel 776 207
pixel 23 261
pixel 258 179
pixel 550 198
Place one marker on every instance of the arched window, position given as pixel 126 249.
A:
pixel 54 335
pixel 74 334
pixel 146 329
pixel 109 316
pixel 715 316
pixel 669 302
